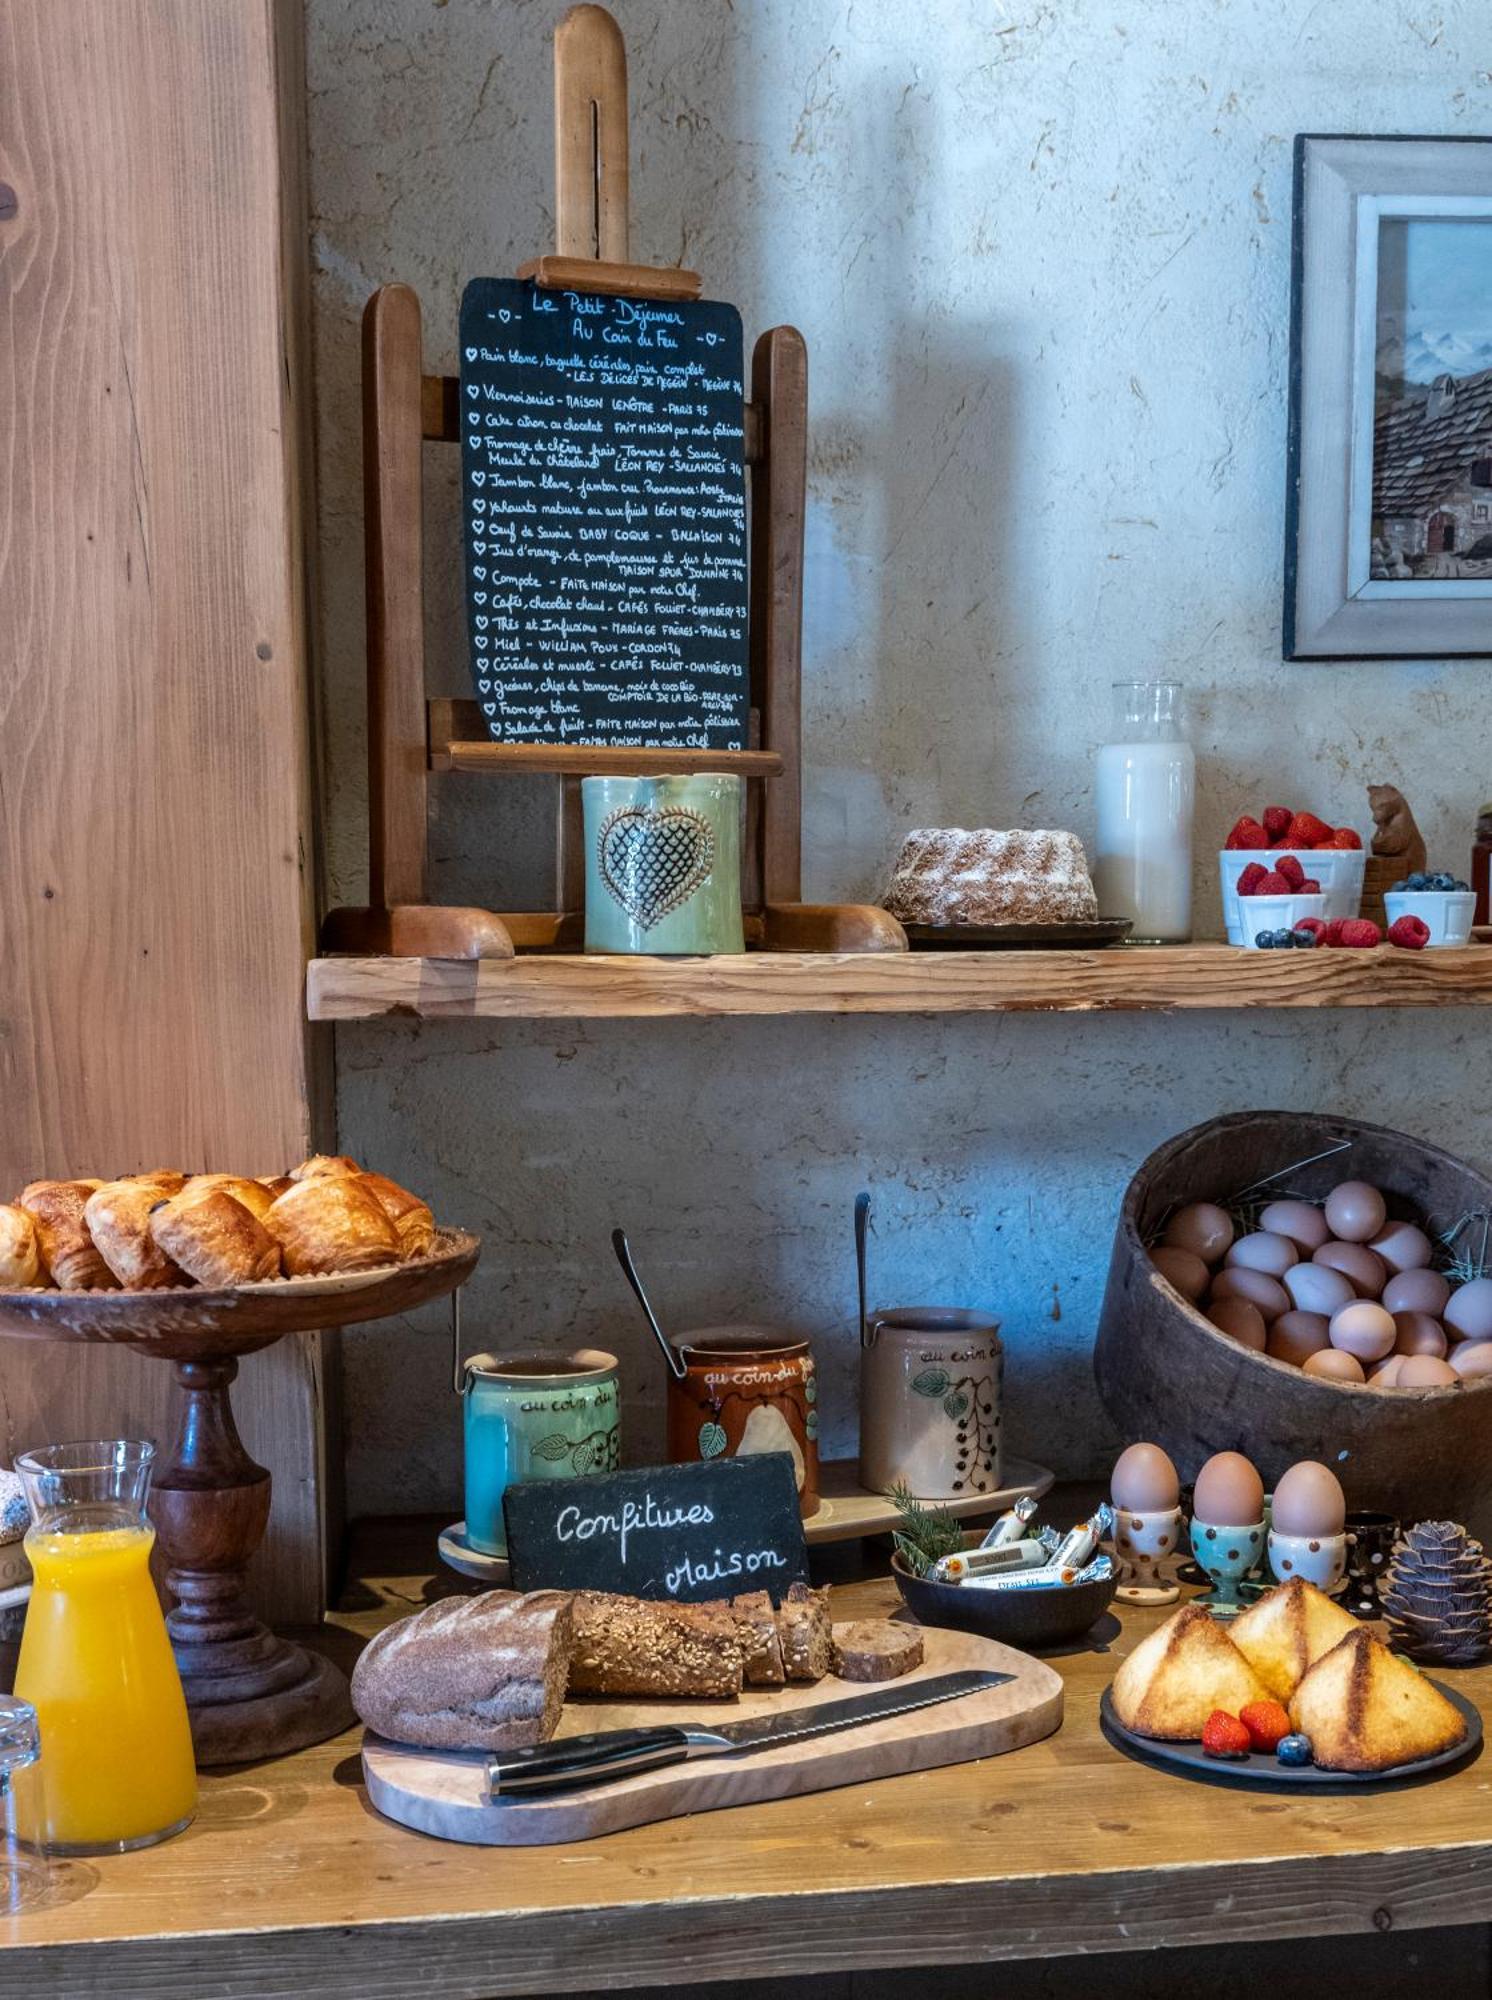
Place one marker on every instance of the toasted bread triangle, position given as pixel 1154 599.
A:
pixel 1366 1710
pixel 1179 1674
pixel 1287 1631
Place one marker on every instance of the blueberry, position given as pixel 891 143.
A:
pixel 1294 1749
pixel 1404 884
pixel 1417 883
pixel 1304 940
pixel 1462 888
pixel 1263 940
pixel 1441 882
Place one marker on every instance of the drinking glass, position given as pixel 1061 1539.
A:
pixel 1145 781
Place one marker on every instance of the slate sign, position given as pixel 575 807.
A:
pixel 687 1532
pixel 604 503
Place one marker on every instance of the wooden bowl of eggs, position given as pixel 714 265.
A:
pixel 1281 1286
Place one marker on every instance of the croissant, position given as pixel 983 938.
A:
pixel 118 1219
pixel 215 1239
pixel 20 1250
pixel 333 1225
pixel 410 1216
pixel 276 1183
pixel 254 1196
pixel 67 1249
pixel 325 1167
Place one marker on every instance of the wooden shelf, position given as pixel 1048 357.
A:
pixel 572 986
pixel 458 742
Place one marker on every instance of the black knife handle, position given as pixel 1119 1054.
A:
pixel 575 1761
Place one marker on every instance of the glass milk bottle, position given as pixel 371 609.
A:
pixel 1146 781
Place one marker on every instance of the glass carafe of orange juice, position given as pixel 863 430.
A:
pixel 95 1660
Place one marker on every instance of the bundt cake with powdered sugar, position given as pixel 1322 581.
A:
pixel 945 875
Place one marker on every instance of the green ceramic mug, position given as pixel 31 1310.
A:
pixel 663 864
pixel 534 1416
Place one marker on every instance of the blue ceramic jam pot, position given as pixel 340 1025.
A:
pixel 534 1416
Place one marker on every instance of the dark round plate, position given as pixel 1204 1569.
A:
pixel 1192 1761
pixel 1017 937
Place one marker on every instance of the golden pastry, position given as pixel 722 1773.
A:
pixel 67 1249
pixel 276 1183
pixel 1366 1710
pixel 333 1225
pixel 215 1239
pixel 1286 1631
pixel 325 1167
pixel 20 1250
pixel 118 1218
pixel 254 1195
pixel 410 1215
pixel 1178 1674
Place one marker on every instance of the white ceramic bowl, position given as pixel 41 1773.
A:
pixel 1448 912
pixel 1275 913
pixel 1339 870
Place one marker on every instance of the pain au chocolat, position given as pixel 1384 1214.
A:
pixel 412 1218
pixel 215 1239
pixel 118 1218
pixel 332 1224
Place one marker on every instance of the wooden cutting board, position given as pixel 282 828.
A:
pixel 445 1793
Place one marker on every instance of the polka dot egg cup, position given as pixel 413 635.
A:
pixel 1142 1542
pixel 1320 1559
pixel 1227 1555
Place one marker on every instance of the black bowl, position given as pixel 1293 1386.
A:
pixel 1024 1618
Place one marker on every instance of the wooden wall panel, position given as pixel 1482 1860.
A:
pixel 155 858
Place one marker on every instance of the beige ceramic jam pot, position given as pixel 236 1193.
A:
pixel 930 1384
pixel 746 1389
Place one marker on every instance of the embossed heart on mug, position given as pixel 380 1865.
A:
pixel 652 862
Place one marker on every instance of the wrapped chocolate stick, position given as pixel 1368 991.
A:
pixel 1011 1526
pixel 1078 1544
pixel 1046 1578
pixel 989 1561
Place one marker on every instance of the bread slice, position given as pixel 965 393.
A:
pixel 806 1632
pixel 1366 1710
pixel 757 1623
pixel 1287 1631
pixel 1176 1677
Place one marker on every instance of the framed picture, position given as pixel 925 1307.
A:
pixel 1389 507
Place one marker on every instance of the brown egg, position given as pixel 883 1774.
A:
pixel 1263 1252
pixel 1295 1336
pixel 1403 1247
pixel 1316 1288
pixel 1418 1333
pixel 1386 1374
pixel 1364 1330
pixel 1366 1273
pixel 1241 1321
pixel 1334 1365
pixel 1267 1293
pixel 1301 1221
pixel 1355 1212
pixel 1181 1268
pixel 1308 1501
pixel 1145 1481
pixel 1416 1292
pixel 1229 1493
pixel 1468 1311
pixel 1203 1228
pixel 1472 1359
pixel 1424 1371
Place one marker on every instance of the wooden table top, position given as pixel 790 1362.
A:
pixel 289 1884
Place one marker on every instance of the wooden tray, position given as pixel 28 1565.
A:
pixel 445 1794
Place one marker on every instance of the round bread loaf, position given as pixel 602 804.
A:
pixel 469 1673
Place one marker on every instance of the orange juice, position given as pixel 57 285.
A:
pixel 96 1665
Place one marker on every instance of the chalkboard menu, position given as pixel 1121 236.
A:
pixel 686 1532
pixel 604 499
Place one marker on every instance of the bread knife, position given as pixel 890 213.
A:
pixel 571 1762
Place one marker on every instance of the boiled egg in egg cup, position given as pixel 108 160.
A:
pixel 1308 1527
pixel 1228 1528
pixel 1146 1491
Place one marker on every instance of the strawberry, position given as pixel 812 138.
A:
pixel 1289 866
pixel 1333 933
pixel 1250 877
pixel 1246 833
pixel 1314 925
pixel 1308 831
pixel 1413 933
pixel 1308 886
pixel 1344 837
pixel 1274 884
pixel 1359 934
pixel 1277 823
pixel 1223 1735
pixel 1266 1722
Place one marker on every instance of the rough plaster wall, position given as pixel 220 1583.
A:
pixel 1040 254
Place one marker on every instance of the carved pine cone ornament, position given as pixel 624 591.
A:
pixel 1437 1596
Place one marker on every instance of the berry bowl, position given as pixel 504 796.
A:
pixel 1268 922
pixel 1446 913
pixel 1339 870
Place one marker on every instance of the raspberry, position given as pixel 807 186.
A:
pixel 1277 823
pixel 1413 933
pixel 1344 837
pixel 1358 934
pixel 1246 833
pixel 1308 831
pixel 1274 884
pixel 1289 866
pixel 1307 886
pixel 1266 1723
pixel 1250 877
pixel 1314 925
pixel 1333 932
pixel 1223 1735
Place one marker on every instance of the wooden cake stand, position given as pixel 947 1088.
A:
pixel 250 1693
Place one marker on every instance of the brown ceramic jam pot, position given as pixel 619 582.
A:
pixel 745 1389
